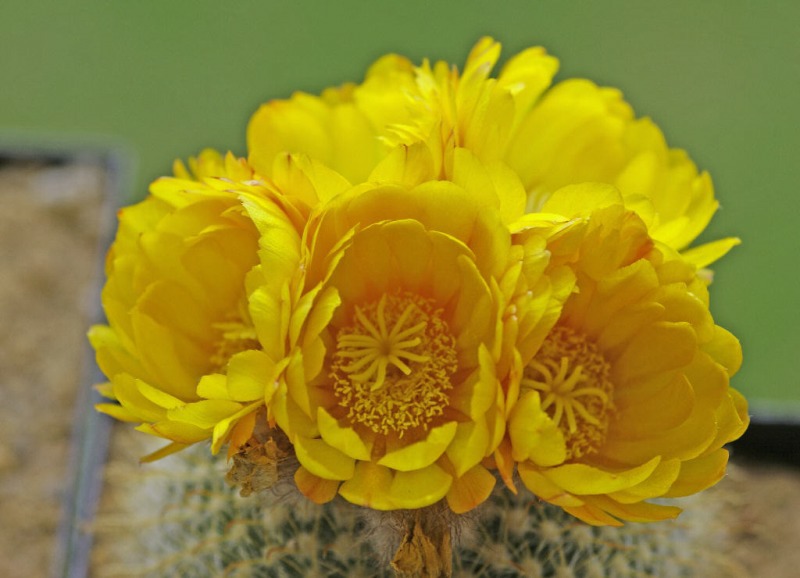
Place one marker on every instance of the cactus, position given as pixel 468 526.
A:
pixel 180 518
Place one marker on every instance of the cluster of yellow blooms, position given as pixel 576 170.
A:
pixel 429 282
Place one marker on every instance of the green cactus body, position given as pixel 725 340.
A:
pixel 186 520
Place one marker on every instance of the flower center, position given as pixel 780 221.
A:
pixel 572 377
pixel 392 365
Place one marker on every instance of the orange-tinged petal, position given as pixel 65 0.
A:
pixel 634 512
pixel 505 464
pixel 241 432
pixel 471 489
pixel 545 488
pixel 592 515
pixel 323 460
pixel 223 427
pixel 316 489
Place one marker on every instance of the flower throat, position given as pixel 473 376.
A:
pixel 393 364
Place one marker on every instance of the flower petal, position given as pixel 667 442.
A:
pixel 250 374
pixel 698 474
pixel 582 479
pixel 316 489
pixel 471 489
pixel 534 436
pixel 205 413
pixel 423 453
pixel 419 488
pixel 369 486
pixel 536 482
pixel 323 460
pixel 635 512
pixel 344 439
pixel 469 446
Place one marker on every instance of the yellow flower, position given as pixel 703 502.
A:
pixel 340 128
pixel 388 390
pixel 175 297
pixel 575 132
pixel 628 397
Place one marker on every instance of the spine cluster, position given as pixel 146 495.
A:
pixel 195 524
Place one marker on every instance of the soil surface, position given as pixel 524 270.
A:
pixel 765 525
pixel 49 258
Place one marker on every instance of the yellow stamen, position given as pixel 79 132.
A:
pixel 392 366
pixel 572 377
pixel 381 348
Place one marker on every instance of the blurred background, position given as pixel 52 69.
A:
pixel 153 81
pixel 161 80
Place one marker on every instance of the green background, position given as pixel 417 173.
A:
pixel 163 79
